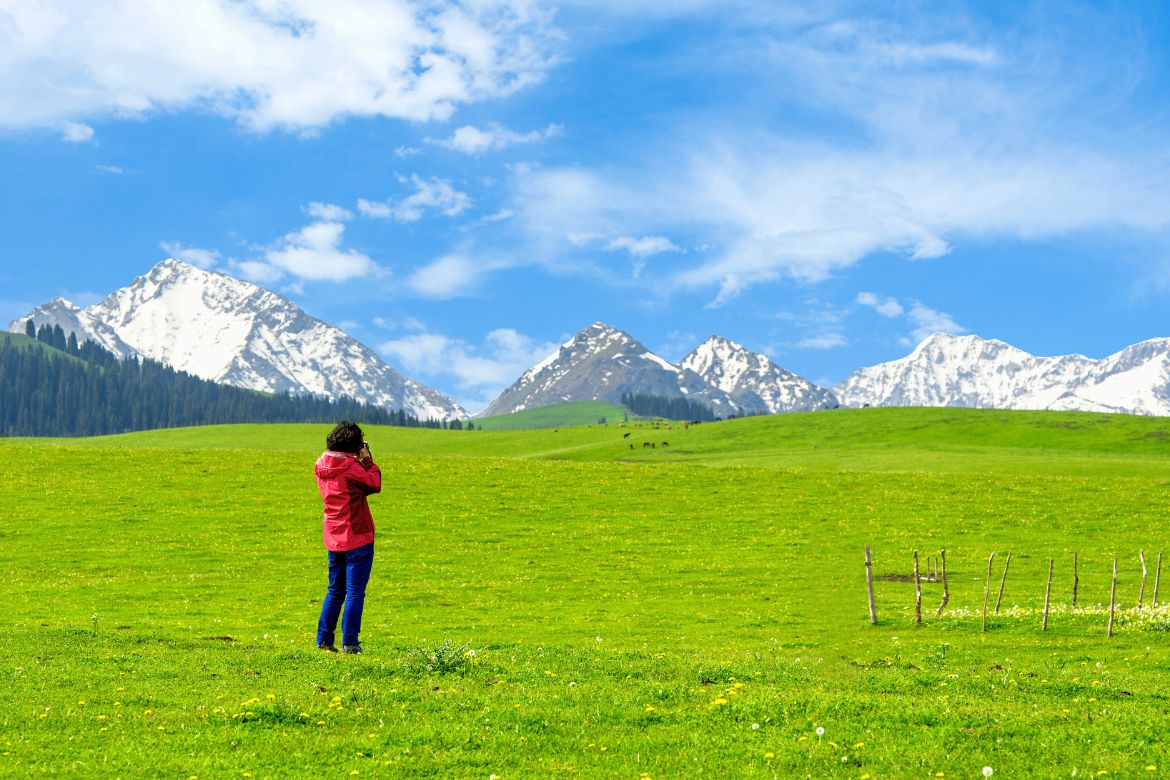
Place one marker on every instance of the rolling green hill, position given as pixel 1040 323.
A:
pixel 556 416
pixel 696 609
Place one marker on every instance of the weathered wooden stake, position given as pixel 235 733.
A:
pixel 1047 596
pixel 869 585
pixel 1112 595
pixel 1157 579
pixel 946 588
pixel 987 590
pixel 1007 562
pixel 917 593
pixel 1142 592
pixel 1076 579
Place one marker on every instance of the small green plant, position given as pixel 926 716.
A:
pixel 446 657
pixel 93 620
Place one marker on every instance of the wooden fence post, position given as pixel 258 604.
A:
pixel 917 593
pixel 1142 592
pixel 1076 579
pixel 1112 596
pixel 987 591
pixel 1047 596
pixel 1157 579
pixel 869 585
pixel 946 588
pixel 1007 562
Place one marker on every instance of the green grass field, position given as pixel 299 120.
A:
pixel 690 609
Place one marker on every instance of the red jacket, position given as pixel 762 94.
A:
pixel 344 485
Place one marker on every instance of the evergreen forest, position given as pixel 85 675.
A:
pixel 55 386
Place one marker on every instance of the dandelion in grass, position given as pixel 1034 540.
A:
pixel 755 727
pixel 988 771
pixel 820 731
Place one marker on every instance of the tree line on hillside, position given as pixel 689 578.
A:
pixel 81 389
pixel 667 408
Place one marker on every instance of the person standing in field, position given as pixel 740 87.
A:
pixel 346 475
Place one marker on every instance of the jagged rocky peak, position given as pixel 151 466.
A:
pixel 602 363
pixel 754 382
pixel 228 330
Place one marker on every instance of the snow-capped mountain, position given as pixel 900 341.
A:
pixel 972 372
pixel 755 383
pixel 602 363
pixel 226 330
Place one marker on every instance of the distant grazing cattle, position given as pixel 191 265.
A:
pixel 665 444
pixel 646 444
pixel 626 435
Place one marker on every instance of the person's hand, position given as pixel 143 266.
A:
pixel 364 452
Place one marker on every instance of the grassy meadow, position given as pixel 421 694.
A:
pixel 574 603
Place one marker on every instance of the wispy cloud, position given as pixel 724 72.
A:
pixel 202 258
pixel 76 133
pixel 887 307
pixel 430 194
pixel 452 276
pixel 480 371
pixel 922 320
pixel 940 132
pixel 473 140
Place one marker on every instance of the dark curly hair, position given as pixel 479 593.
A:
pixel 346 437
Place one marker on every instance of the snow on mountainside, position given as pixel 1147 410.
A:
pixel 223 329
pixel 755 383
pixel 602 363
pixel 968 371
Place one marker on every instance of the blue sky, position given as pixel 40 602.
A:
pixel 463 185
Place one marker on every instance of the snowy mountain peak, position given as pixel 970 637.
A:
pixel 602 363
pixel 969 371
pixel 227 330
pixel 754 382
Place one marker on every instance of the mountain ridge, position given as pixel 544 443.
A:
pixel 227 330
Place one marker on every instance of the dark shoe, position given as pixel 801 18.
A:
pixel 351 649
pixel 330 648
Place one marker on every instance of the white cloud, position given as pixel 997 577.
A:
pixel 450 276
pixel 923 320
pixel 406 152
pixel 887 307
pixel 823 341
pixel 928 321
pixel 75 133
pixel 311 253
pixel 113 170
pixel 941 133
pixel 201 258
pixel 644 246
pixel 481 369
pixel 327 212
pixel 472 140
pixel 430 194
pixel 288 64
pixel 314 253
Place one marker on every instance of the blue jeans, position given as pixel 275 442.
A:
pixel 349 571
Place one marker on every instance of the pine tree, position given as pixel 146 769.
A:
pixel 30 328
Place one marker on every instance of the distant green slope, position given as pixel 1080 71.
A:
pixel 21 340
pixel 555 416
pixel 885 439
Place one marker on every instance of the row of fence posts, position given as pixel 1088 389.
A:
pixel 941 571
